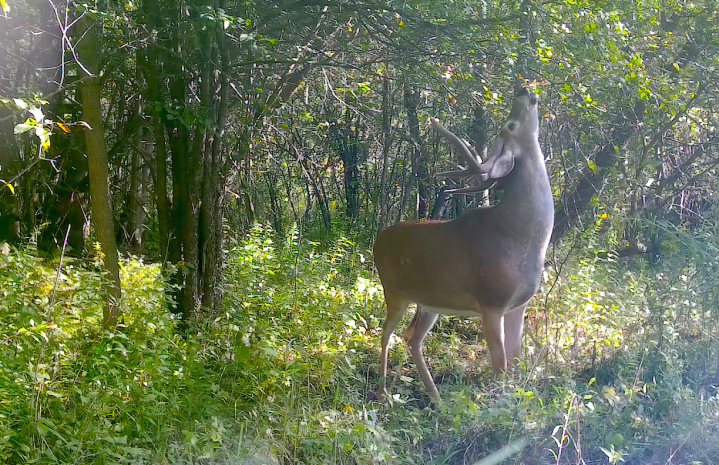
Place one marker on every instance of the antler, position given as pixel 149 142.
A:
pixel 479 187
pixel 474 170
pixel 469 154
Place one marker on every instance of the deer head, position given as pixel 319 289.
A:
pixel 519 132
pixel 488 262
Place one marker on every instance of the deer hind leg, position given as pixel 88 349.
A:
pixel 513 326
pixel 396 308
pixel 421 324
pixel 493 325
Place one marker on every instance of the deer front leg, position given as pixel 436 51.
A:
pixel 513 326
pixel 493 325
pixel 414 335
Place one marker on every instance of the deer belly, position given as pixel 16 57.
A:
pixel 450 311
pixel 505 290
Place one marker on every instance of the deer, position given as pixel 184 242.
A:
pixel 485 263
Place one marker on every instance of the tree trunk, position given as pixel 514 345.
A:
pixel 419 151
pixel 246 198
pixel 275 207
pixel 406 190
pixel 138 187
pixel 153 93
pixel 307 217
pixel 319 195
pixel 386 145
pixel 89 47
pixel 440 204
pixel 187 164
pixel 349 152
pixel 212 216
pixel 9 163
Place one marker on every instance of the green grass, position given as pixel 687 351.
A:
pixel 618 366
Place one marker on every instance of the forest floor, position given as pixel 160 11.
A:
pixel 287 372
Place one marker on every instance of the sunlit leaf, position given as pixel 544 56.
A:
pixel 592 165
pixel 37 114
pixel 20 128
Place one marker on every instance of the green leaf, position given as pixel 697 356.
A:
pixel 21 104
pixel 41 429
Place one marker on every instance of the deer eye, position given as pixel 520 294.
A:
pixel 512 126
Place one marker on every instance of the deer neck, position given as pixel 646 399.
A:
pixel 527 201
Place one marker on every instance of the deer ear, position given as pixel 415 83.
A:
pixel 500 162
pixel 502 165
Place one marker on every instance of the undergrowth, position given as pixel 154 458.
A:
pixel 619 365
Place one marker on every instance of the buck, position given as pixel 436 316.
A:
pixel 487 262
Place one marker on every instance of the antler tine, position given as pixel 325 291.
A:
pixel 471 149
pixel 455 174
pixel 473 189
pixel 460 173
pixel 460 145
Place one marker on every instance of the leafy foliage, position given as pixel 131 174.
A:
pixel 293 113
pixel 286 370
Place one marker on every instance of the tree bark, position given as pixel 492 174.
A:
pixel 275 207
pixel 386 145
pixel 419 151
pixel 134 227
pixel 9 163
pixel 139 178
pixel 153 93
pixel 214 178
pixel 406 190
pixel 440 204
pixel 349 152
pixel 89 48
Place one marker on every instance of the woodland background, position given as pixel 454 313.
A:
pixel 211 174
